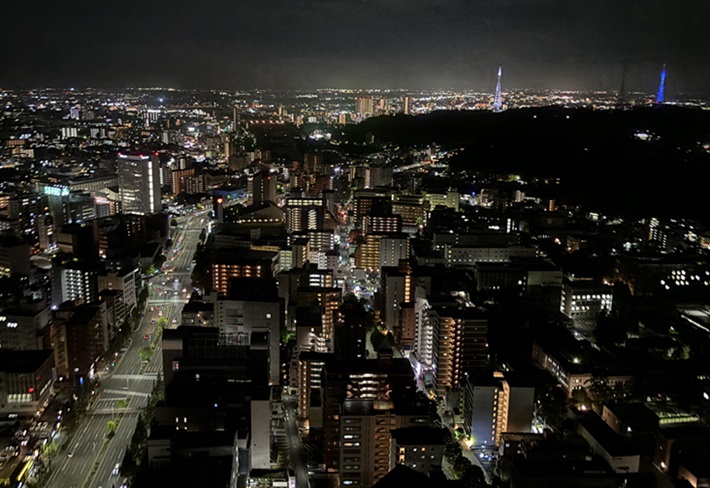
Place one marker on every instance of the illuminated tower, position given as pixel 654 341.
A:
pixel 661 95
pixel 621 99
pixel 498 100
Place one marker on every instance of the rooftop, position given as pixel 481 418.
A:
pixel 23 361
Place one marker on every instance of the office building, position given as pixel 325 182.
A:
pixel 22 325
pixel 584 299
pixel 14 257
pixel 79 336
pixel 139 183
pixel 75 280
pixel 251 306
pixel 26 381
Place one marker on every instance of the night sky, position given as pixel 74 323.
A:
pixel 303 44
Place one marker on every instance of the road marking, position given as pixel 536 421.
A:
pixel 130 377
pixel 127 392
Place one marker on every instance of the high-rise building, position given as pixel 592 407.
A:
pixel 460 344
pixel 396 289
pixel 328 300
pixel 251 306
pixel 386 223
pixel 309 381
pixel 363 400
pixel 185 180
pixel 14 256
pixel 365 106
pixel 406 102
pixel 27 381
pixel 79 336
pixel 75 281
pixel 262 188
pixel 393 249
pixel 494 404
pixel 139 183
pixel 303 214
pixel 22 325
pixel 246 264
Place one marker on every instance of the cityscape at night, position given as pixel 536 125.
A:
pixel 383 244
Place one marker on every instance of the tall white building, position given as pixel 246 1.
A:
pixel 139 183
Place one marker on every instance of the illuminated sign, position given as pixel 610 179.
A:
pixel 56 191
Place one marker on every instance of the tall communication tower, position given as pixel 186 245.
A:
pixel 498 100
pixel 661 94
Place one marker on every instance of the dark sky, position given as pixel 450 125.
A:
pixel 416 44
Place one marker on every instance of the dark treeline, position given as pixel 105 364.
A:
pixel 635 162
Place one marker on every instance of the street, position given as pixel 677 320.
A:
pixel 298 458
pixel 93 456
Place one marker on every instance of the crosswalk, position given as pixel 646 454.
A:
pixel 143 377
pixel 128 392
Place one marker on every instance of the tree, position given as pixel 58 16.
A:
pixel 111 427
pixel 162 322
pixel 473 476
pixel 580 396
pixel 381 339
pixel 609 329
pixel 159 261
pixel 600 391
pixel 146 354
pixel 551 406
pixel 461 465
pixel 452 451
pixel 144 294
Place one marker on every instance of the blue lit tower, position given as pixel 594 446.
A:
pixel 661 95
pixel 498 100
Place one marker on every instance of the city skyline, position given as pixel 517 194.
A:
pixel 414 45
